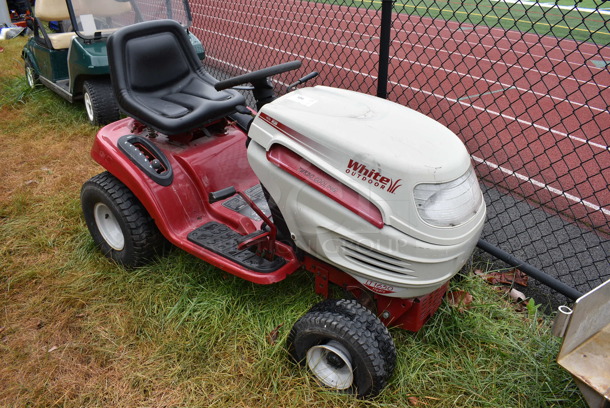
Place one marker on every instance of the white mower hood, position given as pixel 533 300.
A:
pixel 380 149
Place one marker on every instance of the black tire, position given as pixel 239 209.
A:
pixel 337 334
pixel 100 104
pixel 352 308
pixel 30 75
pixel 119 224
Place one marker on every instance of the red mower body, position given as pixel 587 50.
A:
pixel 212 162
pixel 199 167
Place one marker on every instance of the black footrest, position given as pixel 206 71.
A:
pixel 222 240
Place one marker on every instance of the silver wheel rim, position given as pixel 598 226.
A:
pixel 331 364
pixel 29 75
pixel 88 106
pixel 108 226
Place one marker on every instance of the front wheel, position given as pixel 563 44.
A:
pixel 100 103
pixel 119 224
pixel 30 75
pixel 344 346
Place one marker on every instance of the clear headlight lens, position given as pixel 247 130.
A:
pixel 449 204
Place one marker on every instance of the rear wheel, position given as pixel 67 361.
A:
pixel 100 103
pixel 118 223
pixel 344 346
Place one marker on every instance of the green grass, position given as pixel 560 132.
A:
pixel 79 331
pixel 528 18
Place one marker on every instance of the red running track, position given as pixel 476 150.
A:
pixel 533 111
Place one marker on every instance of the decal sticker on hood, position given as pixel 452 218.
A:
pixel 373 177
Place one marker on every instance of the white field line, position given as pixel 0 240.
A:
pixel 553 5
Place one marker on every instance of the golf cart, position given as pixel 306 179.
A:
pixel 67 52
pixel 365 194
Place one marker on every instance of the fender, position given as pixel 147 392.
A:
pixel 86 60
pixel 183 205
pixel 26 55
pixel 173 208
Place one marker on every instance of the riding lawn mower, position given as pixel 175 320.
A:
pixel 364 193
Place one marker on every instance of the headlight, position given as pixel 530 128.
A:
pixel 449 204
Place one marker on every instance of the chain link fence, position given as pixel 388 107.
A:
pixel 524 84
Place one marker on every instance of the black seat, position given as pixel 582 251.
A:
pixel 159 80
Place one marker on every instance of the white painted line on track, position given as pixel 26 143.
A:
pixel 486 93
pixel 457 53
pixel 494 47
pixel 491 165
pixel 544 186
pixel 489 111
pixel 503 34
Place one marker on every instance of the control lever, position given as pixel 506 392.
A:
pixel 301 81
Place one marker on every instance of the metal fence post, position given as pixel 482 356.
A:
pixel 384 47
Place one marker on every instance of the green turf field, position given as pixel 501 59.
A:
pixel 586 20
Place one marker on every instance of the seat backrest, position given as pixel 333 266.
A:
pixel 158 78
pixel 101 8
pixel 51 10
pixel 146 61
pixel 57 10
pixel 149 56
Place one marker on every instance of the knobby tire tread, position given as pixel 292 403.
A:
pixel 348 321
pixel 104 104
pixel 353 308
pixel 144 238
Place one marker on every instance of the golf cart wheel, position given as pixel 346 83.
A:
pixel 100 103
pixel 344 346
pixel 30 75
pixel 118 223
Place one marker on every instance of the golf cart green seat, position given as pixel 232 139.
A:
pixel 159 80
